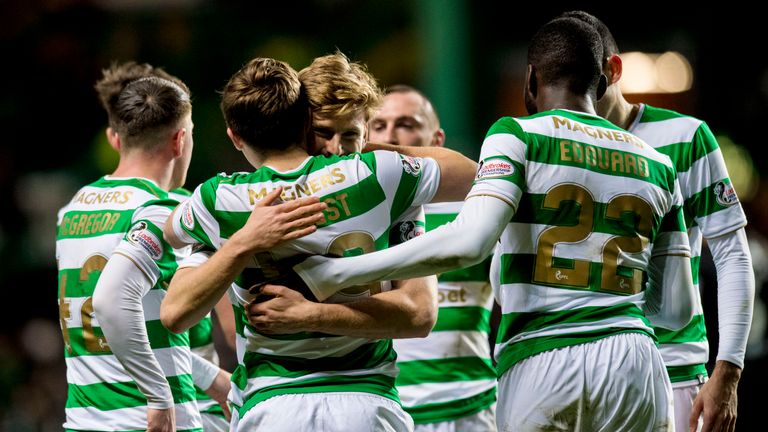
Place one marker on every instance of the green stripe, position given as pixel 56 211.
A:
pixel 475 273
pixel 87 224
pixel 515 323
pixel 201 334
pixel 159 337
pixel 377 384
pixel 343 204
pixel 695 265
pixel 112 396
pixel 686 373
pixel 654 114
pixel 469 318
pixel 531 210
pixel 694 331
pixel 452 410
pixel 404 194
pixel 445 370
pixel 519 268
pixel 367 356
pixel 704 203
pixel 530 347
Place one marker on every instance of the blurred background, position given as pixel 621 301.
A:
pixel 468 56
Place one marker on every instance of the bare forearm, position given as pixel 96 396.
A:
pixel 457 170
pixel 407 312
pixel 194 291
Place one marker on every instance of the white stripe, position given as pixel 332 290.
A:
pixel 545 126
pixel 525 297
pixel 331 346
pixel 150 303
pixel 235 197
pixel 443 344
pixel 134 418
pixel 93 369
pixel 443 208
pixel 464 294
pixel 73 252
pixel 138 198
pixel 722 222
pixel 665 132
pixel 388 369
pixel 504 144
pixel 420 394
pixel 703 173
pixel 519 238
pixel 620 322
pixel 682 354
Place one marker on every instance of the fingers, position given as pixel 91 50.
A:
pixel 270 198
pixel 293 235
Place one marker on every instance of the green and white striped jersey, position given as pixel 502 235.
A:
pixel 366 194
pixel 711 209
pixel 449 374
pixel 593 204
pixel 117 215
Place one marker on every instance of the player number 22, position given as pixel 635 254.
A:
pixel 577 275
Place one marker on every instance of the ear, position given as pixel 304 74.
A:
pixel 531 84
pixel 178 142
pixel 114 139
pixel 613 69
pixel 602 86
pixel 438 138
pixel 236 140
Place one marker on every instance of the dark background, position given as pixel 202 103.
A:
pixel 468 56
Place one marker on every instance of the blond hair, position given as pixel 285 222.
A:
pixel 337 87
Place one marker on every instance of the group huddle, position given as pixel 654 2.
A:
pixel 359 268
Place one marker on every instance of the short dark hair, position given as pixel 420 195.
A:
pixel 266 105
pixel 114 79
pixel 147 108
pixel 609 43
pixel 567 52
pixel 427 106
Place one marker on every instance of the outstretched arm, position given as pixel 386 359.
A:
pixel 409 310
pixel 456 170
pixel 465 241
pixel 117 304
pixel 717 400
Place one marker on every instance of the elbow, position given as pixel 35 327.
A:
pixel 424 315
pixel 101 305
pixel 171 319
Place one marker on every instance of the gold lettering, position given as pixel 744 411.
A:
pixel 326 180
pixel 602 133
pixel 561 121
pixel 302 189
pixel 591 156
pixel 89 222
pixel 617 162
pixel 565 154
pixel 126 197
pixel 313 185
pixel 577 128
pixel 339 174
pixel 115 198
pixel 618 136
pixel 642 164
pixel 254 196
pixel 440 296
pixel 113 222
pixel 589 130
pixel 288 193
pixel 578 152
pixel 73 224
pixel 603 159
pixel 630 163
pixel 342 198
pixel 331 213
pixel 81 224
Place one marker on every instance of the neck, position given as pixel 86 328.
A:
pixel 561 98
pixel 154 167
pixel 614 108
pixel 285 160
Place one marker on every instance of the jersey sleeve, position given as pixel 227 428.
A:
pixel 409 225
pixel 710 197
pixel 407 181
pixel 144 243
pixel 672 235
pixel 501 169
pixel 194 221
